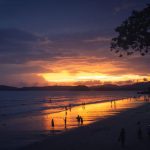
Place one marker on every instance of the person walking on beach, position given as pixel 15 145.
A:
pixel 115 106
pixel 122 137
pixel 78 119
pixel 70 107
pixel 52 123
pixel 139 131
pixel 111 103
pixel 65 121
pixel 66 109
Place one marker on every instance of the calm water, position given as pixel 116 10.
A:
pixel 26 116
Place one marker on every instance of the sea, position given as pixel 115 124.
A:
pixel 25 116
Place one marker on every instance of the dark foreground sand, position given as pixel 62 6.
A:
pixel 103 135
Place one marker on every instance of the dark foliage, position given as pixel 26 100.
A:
pixel 134 34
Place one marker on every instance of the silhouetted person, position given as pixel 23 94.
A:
pixel 70 107
pixel 81 120
pixel 139 131
pixel 122 137
pixel 148 130
pixel 65 121
pixel 66 113
pixel 78 119
pixel 111 103
pixel 115 104
pixel 149 97
pixel 66 108
pixel 52 123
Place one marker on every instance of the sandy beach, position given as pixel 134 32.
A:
pixel 103 134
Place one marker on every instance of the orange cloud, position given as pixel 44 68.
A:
pixel 85 69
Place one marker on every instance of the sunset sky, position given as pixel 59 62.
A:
pixel 65 42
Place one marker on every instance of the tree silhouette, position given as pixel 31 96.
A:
pixel 134 34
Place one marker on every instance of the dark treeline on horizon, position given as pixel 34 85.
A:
pixel 109 87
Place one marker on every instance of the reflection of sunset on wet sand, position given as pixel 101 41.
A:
pixel 90 113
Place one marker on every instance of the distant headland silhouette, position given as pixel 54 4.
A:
pixel 141 86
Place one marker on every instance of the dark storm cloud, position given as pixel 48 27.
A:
pixel 15 41
pixel 58 17
pixel 18 35
pixel 20 46
pixel 22 69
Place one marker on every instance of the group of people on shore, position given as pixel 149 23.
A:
pixel 53 123
pixel 79 120
pixel 68 107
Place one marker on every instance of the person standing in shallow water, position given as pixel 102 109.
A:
pixel 122 137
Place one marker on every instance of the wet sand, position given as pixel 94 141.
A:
pixel 102 134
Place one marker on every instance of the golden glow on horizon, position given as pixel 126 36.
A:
pixel 90 71
pixel 66 77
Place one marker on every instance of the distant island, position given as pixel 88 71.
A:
pixel 141 86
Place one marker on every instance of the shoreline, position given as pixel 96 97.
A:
pixel 101 134
pixel 62 108
pixel 23 131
